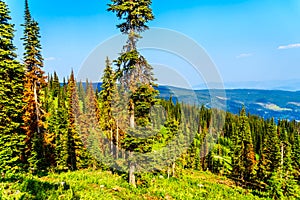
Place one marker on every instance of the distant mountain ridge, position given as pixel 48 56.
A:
pixel 277 104
pixel 287 85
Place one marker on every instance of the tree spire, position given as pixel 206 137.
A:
pixel 133 71
pixel 35 81
pixel 11 87
pixel 27 12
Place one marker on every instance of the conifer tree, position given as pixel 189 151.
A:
pixel 270 158
pixel 81 96
pixel 11 93
pixel 289 185
pixel 243 153
pixel 296 156
pixel 134 72
pixel 61 136
pixel 107 95
pixel 57 143
pixel 90 128
pixel 55 85
pixel 120 116
pixel 34 83
pixel 74 143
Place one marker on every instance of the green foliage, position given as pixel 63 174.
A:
pixel 144 99
pixel 107 94
pixel 270 158
pixel 11 92
pixel 34 82
pixel 220 157
pixel 275 186
pixel 135 13
pixel 87 184
pixel 26 186
pixel 61 131
pixel 55 85
pixel 134 73
pixel 73 140
pixel 243 157
pixel 296 156
pixel 57 143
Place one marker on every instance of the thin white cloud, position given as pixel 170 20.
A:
pixel 50 59
pixel 244 55
pixel 290 46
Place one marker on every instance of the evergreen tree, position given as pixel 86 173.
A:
pixel 134 72
pixel 57 143
pixel 74 143
pixel 120 115
pixel 11 93
pixel 133 69
pixel 107 95
pixel 34 83
pixel 270 158
pixel 289 185
pixel 55 85
pixel 296 156
pixel 243 153
pixel 81 96
pixel 90 128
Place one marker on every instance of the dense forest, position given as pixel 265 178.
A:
pixel 51 125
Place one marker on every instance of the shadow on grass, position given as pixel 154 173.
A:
pixel 33 188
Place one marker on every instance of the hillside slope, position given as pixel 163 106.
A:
pixel 277 104
pixel 88 184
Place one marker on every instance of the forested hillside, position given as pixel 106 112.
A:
pixel 55 137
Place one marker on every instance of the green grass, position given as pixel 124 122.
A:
pixel 88 184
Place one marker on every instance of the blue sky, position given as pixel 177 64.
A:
pixel 248 40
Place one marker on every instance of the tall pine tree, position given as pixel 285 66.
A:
pixel 243 160
pixel 107 95
pixel 34 83
pixel 11 93
pixel 73 140
pixel 270 158
pixel 134 72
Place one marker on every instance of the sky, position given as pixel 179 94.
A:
pixel 247 40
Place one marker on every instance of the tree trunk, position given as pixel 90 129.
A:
pixel 173 168
pixel 131 113
pixel 131 163
pixel 36 110
pixel 282 152
pixel 131 171
pixel 123 154
pixel 117 141
pixel 111 142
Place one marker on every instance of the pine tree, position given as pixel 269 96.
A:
pixel 243 156
pixel 34 83
pixel 133 69
pixel 296 155
pixel 107 95
pixel 144 98
pixel 11 93
pixel 81 96
pixel 270 158
pixel 248 153
pixel 289 185
pixel 120 116
pixel 90 128
pixel 134 72
pixel 55 85
pixel 74 143
pixel 57 142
